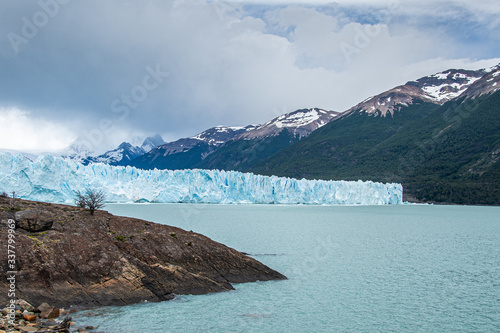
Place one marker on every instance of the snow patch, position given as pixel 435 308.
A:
pixel 441 76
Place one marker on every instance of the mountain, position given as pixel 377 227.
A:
pixel 122 155
pixel 235 148
pixel 119 156
pixel 447 85
pixel 437 89
pixel 253 146
pixel 439 136
pixel 78 151
pixel 299 123
pixel 152 142
pixel 187 152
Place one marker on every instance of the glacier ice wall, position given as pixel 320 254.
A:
pixel 53 179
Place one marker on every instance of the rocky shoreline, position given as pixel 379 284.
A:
pixel 20 316
pixel 67 258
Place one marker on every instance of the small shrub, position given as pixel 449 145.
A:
pixel 173 235
pixel 120 238
pixel 13 202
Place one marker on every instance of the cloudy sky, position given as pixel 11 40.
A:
pixel 109 71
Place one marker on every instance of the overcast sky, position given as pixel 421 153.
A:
pixel 109 71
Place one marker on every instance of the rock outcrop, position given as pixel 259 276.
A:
pixel 104 259
pixel 34 220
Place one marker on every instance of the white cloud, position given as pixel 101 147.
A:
pixel 20 131
pixel 226 64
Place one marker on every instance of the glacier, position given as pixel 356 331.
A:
pixel 54 179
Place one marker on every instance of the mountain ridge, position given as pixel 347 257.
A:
pixel 219 145
pixel 440 152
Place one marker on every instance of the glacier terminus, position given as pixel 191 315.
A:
pixel 54 179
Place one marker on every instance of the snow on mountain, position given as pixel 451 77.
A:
pixel 447 85
pixel 54 179
pixel 219 135
pixel 438 88
pixel 188 153
pixel 213 137
pixel 119 156
pixel 488 84
pixel 300 122
pixel 152 142
pixel 80 151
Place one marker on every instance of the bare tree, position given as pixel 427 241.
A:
pixel 91 199
pixel 80 199
pixel 13 202
pixel 95 199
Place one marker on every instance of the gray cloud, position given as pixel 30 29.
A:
pixel 90 64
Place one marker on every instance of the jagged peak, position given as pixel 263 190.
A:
pixel 437 88
pixel 488 84
pixel 388 101
pixel 301 122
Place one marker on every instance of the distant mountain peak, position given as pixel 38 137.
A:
pixel 191 152
pixel 152 142
pixel 488 84
pixel 437 88
pixel 301 122
pixel 119 156
pixel 449 84
pixel 219 135
pixel 387 102
pixel 79 150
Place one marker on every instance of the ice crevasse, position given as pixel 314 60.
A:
pixel 54 179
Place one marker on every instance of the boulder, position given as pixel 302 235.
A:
pixel 29 317
pixel 50 313
pixel 43 307
pixel 25 305
pixel 34 220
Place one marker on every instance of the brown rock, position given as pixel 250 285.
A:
pixel 43 307
pixel 51 313
pixel 25 305
pixel 34 220
pixel 111 260
pixel 29 317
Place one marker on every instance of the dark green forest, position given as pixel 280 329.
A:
pixel 445 154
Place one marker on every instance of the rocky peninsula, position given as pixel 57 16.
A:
pixel 66 257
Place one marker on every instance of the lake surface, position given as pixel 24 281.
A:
pixel 406 268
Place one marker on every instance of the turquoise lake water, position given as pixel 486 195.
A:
pixel 406 268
